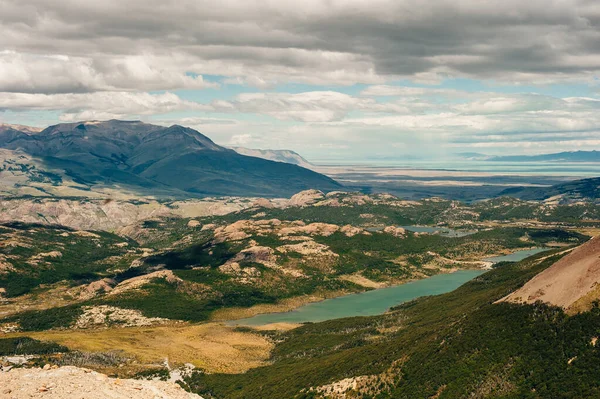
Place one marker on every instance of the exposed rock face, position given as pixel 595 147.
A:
pixel 395 231
pixel 309 248
pixel 193 223
pixel 307 197
pixel 340 389
pixel 322 229
pixel 104 315
pixel 263 203
pixel 97 287
pixel 73 382
pixel 351 231
pixel 233 232
pixel 137 282
pixel 107 214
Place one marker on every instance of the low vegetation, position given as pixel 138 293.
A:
pixel 258 256
pixel 455 345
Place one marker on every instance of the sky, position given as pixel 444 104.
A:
pixel 331 79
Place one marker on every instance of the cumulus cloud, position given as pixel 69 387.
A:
pixel 340 42
pixel 100 105
pixel 30 73
pixel 241 139
pixel 315 106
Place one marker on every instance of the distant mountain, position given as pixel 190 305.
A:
pixel 28 129
pixel 147 158
pixel 473 156
pixel 286 156
pixel 585 189
pixel 567 156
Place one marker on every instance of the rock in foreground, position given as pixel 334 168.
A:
pixel 74 382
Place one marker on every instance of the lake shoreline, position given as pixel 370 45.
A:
pixel 235 317
pixel 374 302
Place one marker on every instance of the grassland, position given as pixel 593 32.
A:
pixel 212 347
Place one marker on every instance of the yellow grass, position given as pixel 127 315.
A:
pixel 212 346
pixel 585 303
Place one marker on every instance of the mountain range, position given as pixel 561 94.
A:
pixel 576 190
pixel 565 156
pixel 148 158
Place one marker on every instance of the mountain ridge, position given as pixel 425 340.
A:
pixel 576 190
pixel 146 156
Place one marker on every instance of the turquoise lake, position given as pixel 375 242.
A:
pixel 366 303
pixel 516 256
pixel 443 231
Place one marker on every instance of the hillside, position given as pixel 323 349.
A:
pixel 571 283
pixel 150 159
pixel 577 190
pixel 161 282
pixel 456 345
pixel 286 156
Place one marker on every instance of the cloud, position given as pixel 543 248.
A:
pixel 97 106
pixel 134 58
pixel 241 140
pixel 30 73
pixel 406 91
pixel 315 106
pixel 150 44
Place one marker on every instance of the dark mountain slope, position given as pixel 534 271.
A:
pixel 143 156
pixel 584 189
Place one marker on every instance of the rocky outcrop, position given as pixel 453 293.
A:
pixel 104 316
pixel 305 198
pixel 110 215
pixel 73 382
pixel 137 282
pixel 308 248
pixel 97 288
pixel 395 231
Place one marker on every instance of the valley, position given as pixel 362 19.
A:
pixel 134 278
pixel 346 291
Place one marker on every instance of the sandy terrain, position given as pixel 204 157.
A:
pixel 564 283
pixel 73 382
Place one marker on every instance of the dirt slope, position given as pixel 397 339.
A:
pixel 571 283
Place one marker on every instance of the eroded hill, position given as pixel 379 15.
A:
pixel 571 283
